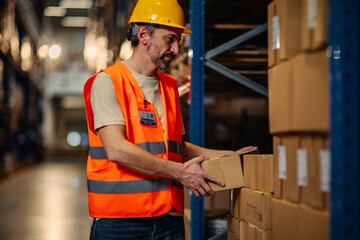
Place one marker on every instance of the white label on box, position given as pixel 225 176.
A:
pixel 312 13
pixel 275 33
pixel 282 162
pixel 302 167
pixel 325 170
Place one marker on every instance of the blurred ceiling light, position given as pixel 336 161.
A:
pixel 43 51
pixel 91 51
pixel 25 65
pixel 73 139
pixel 76 4
pixel 25 50
pixel 53 11
pixel 74 21
pixel 54 51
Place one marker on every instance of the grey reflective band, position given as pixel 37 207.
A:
pixel 177 184
pixel 153 147
pixel 97 153
pixel 174 147
pixel 128 187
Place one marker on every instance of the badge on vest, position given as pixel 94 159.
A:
pixel 147 118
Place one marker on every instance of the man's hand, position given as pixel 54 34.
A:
pixel 195 178
pixel 246 149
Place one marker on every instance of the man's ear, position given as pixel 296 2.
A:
pixel 143 35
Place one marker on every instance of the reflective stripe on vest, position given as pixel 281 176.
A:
pixel 151 147
pixel 129 187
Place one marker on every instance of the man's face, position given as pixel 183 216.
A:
pixel 164 46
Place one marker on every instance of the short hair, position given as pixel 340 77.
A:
pixel 131 35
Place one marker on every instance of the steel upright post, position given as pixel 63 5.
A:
pixel 197 112
pixel 344 119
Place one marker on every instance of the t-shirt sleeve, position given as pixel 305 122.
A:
pixel 104 103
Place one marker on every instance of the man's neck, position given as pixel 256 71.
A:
pixel 142 64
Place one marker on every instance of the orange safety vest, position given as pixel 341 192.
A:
pixel 115 191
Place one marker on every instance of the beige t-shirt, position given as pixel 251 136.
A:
pixel 105 104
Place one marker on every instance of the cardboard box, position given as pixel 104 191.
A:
pixel 280 97
pixel 314 224
pixel 256 208
pixel 273 35
pixel 263 235
pixel 311 192
pixel 244 235
pixel 265 171
pixel 233 228
pixel 314 24
pixel 278 183
pixel 251 171
pixel 310 110
pixel 228 169
pixel 219 203
pixel 291 188
pixel 187 215
pixel 235 199
pixel 289 12
pixel 285 220
pixel 251 232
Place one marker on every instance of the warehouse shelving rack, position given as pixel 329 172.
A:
pixel 344 60
pixel 197 113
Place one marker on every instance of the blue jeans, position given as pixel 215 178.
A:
pixel 165 227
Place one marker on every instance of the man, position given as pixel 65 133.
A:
pixel 138 162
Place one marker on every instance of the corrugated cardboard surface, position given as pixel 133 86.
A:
pixel 291 188
pixel 314 224
pixel 187 215
pixel 244 234
pixel 311 193
pixel 278 183
pixel 228 169
pixel 298 94
pixel 256 208
pixel 251 171
pixel 251 232
pixel 233 228
pixel 235 198
pixel 273 55
pixel 310 110
pixel 285 220
pixel 265 171
pixel 289 12
pixel 316 38
pixel 220 202
pixel 280 97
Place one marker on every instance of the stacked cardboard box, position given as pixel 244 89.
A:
pixel 298 118
pixel 251 214
pixel 230 170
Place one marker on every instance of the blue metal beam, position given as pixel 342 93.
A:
pixel 230 73
pixel 197 111
pixel 345 122
pixel 236 41
pixel 237 77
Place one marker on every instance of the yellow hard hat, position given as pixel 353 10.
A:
pixel 162 12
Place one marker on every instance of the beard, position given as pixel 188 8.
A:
pixel 159 59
